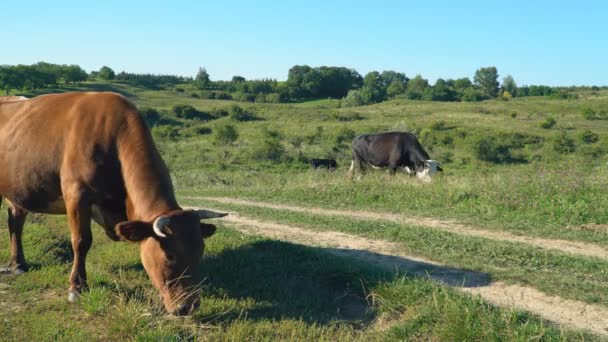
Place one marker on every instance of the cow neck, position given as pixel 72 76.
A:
pixel 146 177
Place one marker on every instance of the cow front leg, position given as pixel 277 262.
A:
pixel 16 219
pixel 79 221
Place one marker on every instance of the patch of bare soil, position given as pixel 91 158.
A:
pixel 572 247
pixel 387 255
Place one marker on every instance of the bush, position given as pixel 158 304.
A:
pixel 589 137
pixel 492 150
pixel 166 132
pixel 219 112
pixel 226 134
pixel 472 95
pixel 588 113
pixel 353 99
pixel 564 144
pixel 239 114
pixel 438 126
pixel 150 116
pixel 348 117
pixel 182 111
pixel 548 123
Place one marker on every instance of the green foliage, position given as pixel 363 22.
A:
pixel 226 134
pixel 509 86
pixel 493 149
pixel 270 148
pixel 487 80
pixel 416 88
pixel 166 132
pixel 202 80
pixel 589 137
pixel 564 144
pixel 150 116
pixel 353 99
pixel 548 123
pixel 106 73
pixel 438 125
pixel 237 113
pixel 472 95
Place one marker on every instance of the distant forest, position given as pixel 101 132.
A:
pixel 303 83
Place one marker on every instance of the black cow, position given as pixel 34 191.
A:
pixel 329 164
pixel 393 150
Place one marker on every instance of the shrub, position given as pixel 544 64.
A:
pixel 179 90
pixel 226 134
pixel 491 149
pixel 183 111
pixel 472 95
pixel 348 117
pixel 166 132
pixel 353 99
pixel 564 144
pixel 219 112
pixel 589 137
pixel 150 116
pixel 239 114
pixel 588 113
pixel 438 126
pixel 345 135
pixel 548 123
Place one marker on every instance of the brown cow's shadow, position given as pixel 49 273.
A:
pixel 308 283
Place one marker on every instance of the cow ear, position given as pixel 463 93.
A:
pixel 207 230
pixel 133 231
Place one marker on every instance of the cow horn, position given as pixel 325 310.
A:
pixel 207 214
pixel 159 224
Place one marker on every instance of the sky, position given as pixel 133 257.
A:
pixel 558 43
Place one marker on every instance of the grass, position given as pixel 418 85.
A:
pixel 259 289
pixel 253 288
pixel 555 273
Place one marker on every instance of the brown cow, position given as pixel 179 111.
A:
pixel 90 155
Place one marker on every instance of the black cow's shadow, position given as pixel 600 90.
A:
pixel 291 281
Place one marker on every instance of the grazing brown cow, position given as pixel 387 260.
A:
pixel 90 155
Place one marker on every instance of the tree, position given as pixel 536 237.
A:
pixel 373 90
pixel 395 88
pixel 73 74
pixel 106 73
pixel 236 79
pixel 487 80
pixel 509 85
pixel 416 88
pixel 202 80
pixel 441 91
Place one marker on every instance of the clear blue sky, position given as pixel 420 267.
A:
pixel 538 42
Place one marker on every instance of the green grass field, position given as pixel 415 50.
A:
pixel 551 184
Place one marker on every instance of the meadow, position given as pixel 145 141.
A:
pixel 531 167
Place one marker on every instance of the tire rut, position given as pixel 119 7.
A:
pixel 571 247
pixel 386 255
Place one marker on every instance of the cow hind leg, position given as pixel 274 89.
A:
pixel 79 221
pixel 16 218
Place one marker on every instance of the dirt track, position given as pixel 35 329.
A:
pixel 387 255
pixel 572 247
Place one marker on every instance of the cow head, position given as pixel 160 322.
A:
pixel 427 169
pixel 171 248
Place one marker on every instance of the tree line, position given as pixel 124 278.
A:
pixel 303 83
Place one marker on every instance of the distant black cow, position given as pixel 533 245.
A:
pixel 329 164
pixel 393 150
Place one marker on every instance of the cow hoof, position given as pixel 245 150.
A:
pixel 18 271
pixel 11 270
pixel 73 296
